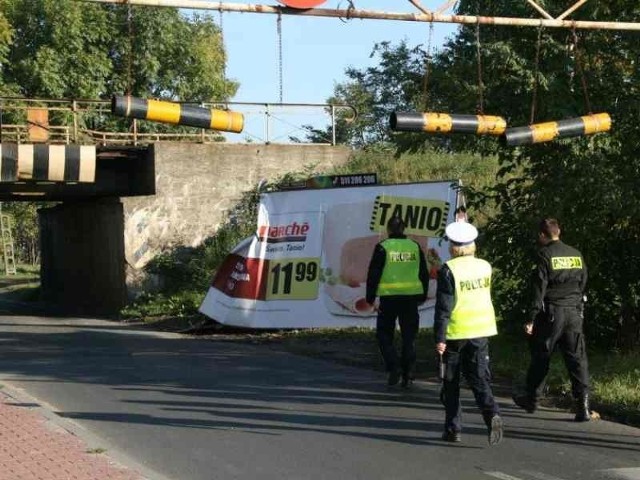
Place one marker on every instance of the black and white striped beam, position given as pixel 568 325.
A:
pixel 447 123
pixel 177 114
pixel 47 163
pixel 547 131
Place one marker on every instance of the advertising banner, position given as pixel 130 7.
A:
pixel 306 266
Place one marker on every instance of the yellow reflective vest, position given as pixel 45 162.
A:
pixel 400 275
pixel 473 315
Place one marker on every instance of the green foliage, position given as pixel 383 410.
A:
pixel 472 169
pixel 375 92
pixel 615 376
pixel 159 305
pixel 6 38
pixel 167 55
pixel 589 184
pixel 25 230
pixel 60 48
pixel 70 49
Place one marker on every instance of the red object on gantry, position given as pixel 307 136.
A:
pixel 302 3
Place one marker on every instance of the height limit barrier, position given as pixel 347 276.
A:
pixel 547 131
pixel 177 114
pixel 447 123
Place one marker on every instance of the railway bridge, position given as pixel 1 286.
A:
pixel 119 198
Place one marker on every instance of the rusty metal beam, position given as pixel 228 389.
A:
pixel 572 9
pixel 540 10
pixel 444 7
pixel 419 6
pixel 379 15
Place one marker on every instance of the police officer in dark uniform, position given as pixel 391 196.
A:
pixel 464 319
pixel 556 319
pixel 397 274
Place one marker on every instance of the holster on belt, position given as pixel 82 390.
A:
pixel 546 314
pixel 442 367
pixel 442 374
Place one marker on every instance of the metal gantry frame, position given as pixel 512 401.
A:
pixel 424 14
pixel 262 114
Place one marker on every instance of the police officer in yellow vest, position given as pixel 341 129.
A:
pixel 463 320
pixel 397 274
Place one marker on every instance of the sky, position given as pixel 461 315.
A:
pixel 316 51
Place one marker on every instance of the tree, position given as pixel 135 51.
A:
pixel 160 53
pixel 585 182
pixel 24 225
pixel 589 183
pixel 375 92
pixel 60 48
pixel 70 49
pixel 6 38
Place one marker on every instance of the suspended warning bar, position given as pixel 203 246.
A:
pixel 446 123
pixel 545 132
pixel 47 163
pixel 177 114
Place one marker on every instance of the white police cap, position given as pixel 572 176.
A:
pixel 461 232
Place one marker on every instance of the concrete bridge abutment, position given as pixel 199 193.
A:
pixel 173 194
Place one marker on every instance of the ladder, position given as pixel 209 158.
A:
pixel 7 244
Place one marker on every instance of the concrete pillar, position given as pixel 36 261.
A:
pixel 83 264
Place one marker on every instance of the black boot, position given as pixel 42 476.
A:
pixel 407 379
pixel 583 414
pixel 451 436
pixel 393 378
pixel 525 402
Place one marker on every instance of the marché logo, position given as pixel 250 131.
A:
pixel 292 232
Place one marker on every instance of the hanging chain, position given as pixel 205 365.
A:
pixel 224 55
pixel 578 57
pixel 130 52
pixel 480 82
pixel 536 80
pixel 280 67
pixel 427 69
pixel 571 62
pixel 350 9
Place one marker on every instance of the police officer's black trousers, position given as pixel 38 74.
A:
pixel 405 309
pixel 561 327
pixel 471 359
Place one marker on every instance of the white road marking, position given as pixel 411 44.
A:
pixel 502 476
pixel 540 475
pixel 622 473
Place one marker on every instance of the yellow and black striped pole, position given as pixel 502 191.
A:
pixel 571 127
pixel 445 123
pixel 176 113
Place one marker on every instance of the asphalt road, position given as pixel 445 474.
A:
pixel 194 409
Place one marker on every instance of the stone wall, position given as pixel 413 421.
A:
pixel 197 184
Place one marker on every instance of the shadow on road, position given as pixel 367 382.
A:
pixel 184 382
